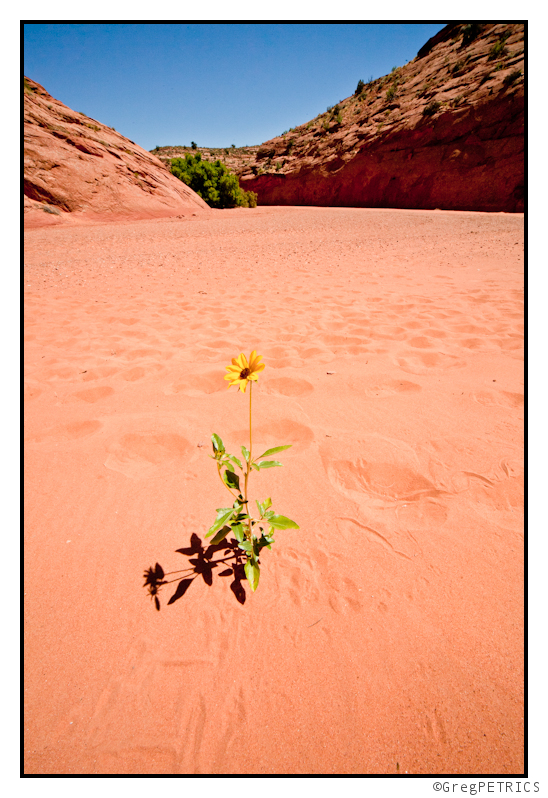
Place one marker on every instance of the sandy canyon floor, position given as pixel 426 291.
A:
pixel 386 635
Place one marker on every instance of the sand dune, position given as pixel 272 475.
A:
pixel 386 635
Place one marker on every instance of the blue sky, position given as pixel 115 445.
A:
pixel 216 84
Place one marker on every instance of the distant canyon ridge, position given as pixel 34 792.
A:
pixel 444 131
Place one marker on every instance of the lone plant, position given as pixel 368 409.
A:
pixel 237 519
pixel 432 108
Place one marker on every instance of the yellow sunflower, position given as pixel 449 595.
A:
pixel 240 371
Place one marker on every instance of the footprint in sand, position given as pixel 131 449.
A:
pixel 390 332
pixel 298 575
pixel 279 357
pixel 428 363
pixel 139 455
pixel 61 373
pixel 199 384
pixel 420 342
pixel 64 432
pixel 287 386
pixel 383 386
pixel 142 354
pixel 219 345
pixel 320 355
pixel 344 595
pixel 499 399
pixel 382 471
pixel 93 395
pixel 138 372
pixel 278 432
pixel 380 480
pixel 98 373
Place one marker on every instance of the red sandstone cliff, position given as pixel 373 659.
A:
pixel 444 131
pixel 77 168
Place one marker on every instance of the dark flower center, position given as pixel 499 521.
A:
pixel 244 374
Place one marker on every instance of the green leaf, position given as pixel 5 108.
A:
pixel 218 445
pixel 281 522
pixel 222 517
pixel 274 450
pixel 239 533
pixel 263 507
pixel 255 466
pixel 264 541
pixel 269 464
pixel 221 535
pixel 245 453
pixel 234 460
pixel 245 545
pixel 253 573
pixel 231 479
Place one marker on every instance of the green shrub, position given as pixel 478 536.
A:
pixel 193 145
pixel 391 93
pixel 432 108
pixel 469 33
pixel 498 50
pixel 249 199
pixel 509 79
pixel 213 182
pixel 359 88
pixel 28 88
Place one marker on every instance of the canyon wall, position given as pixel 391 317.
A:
pixel 76 168
pixel 444 131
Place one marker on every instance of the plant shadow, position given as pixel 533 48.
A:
pixel 202 563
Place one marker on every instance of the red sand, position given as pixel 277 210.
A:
pixel 386 635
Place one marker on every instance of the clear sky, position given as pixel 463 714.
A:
pixel 215 84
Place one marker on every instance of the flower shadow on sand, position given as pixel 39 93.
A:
pixel 202 561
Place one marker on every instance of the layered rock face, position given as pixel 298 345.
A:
pixel 75 168
pixel 444 131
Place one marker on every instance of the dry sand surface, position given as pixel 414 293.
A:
pixel 386 635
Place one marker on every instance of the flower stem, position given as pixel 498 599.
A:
pixel 250 443
pixel 249 460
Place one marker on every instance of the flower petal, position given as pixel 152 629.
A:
pixel 254 359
